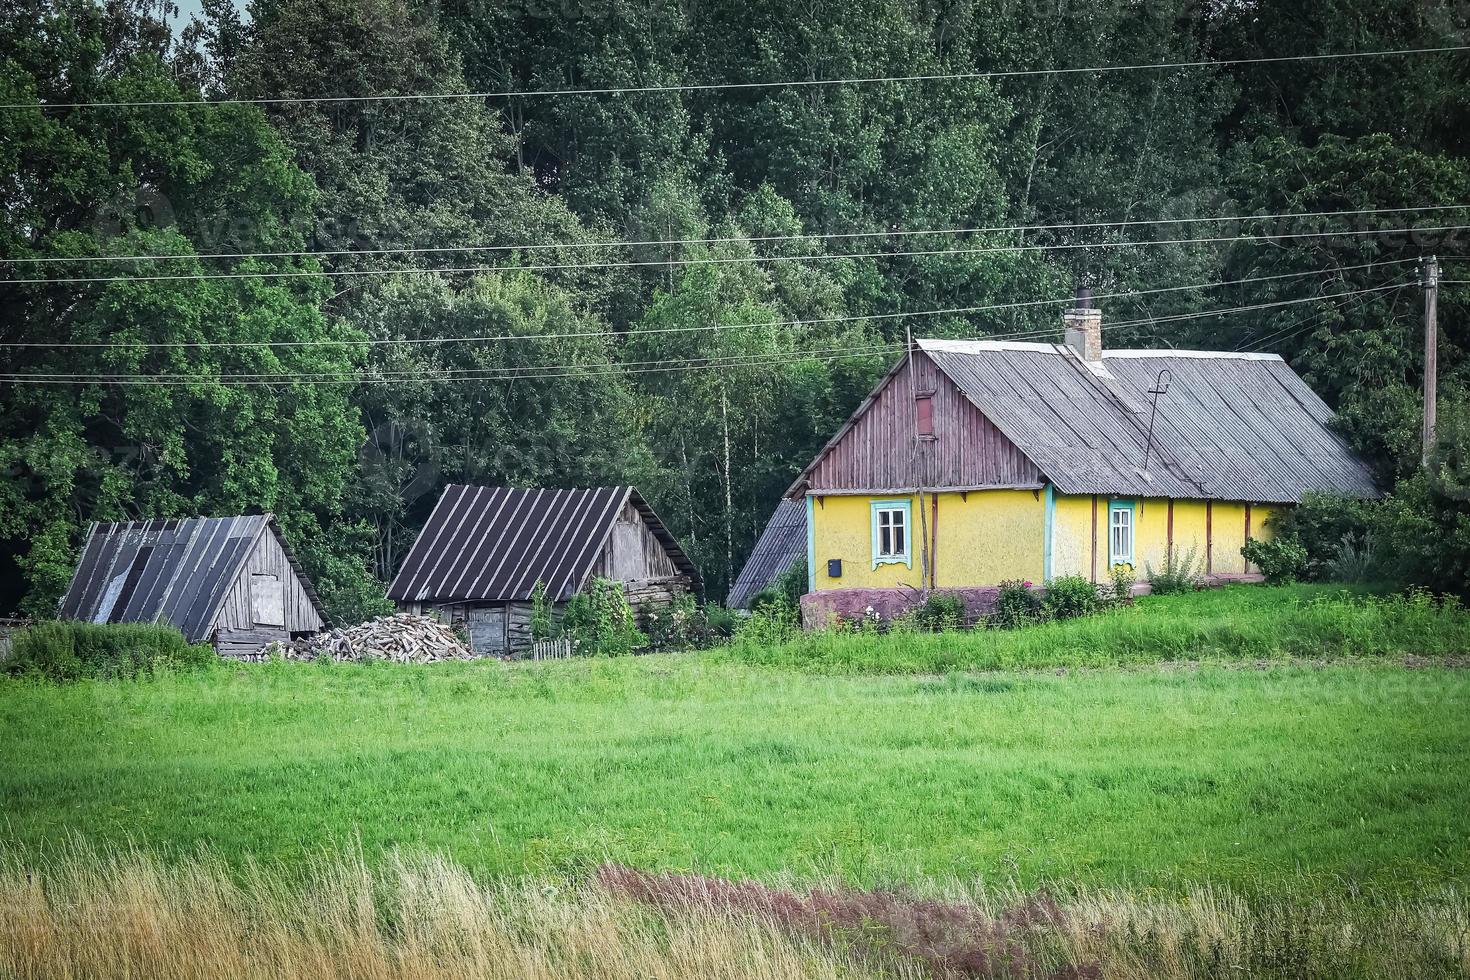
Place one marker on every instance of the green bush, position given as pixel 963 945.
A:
pixel 1356 561
pixel 1177 575
pixel 684 625
pixel 787 589
pixel 543 619
pixel 1070 596
pixel 768 625
pixel 1017 605
pixel 941 611
pixel 1319 523
pixel 600 621
pixel 1121 580
pixel 1281 561
pixel 69 651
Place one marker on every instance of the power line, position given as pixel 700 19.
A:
pixel 536 370
pixel 728 260
pixel 814 321
pixel 528 372
pixel 739 86
pixel 830 236
pixel 592 370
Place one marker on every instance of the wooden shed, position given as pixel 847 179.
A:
pixel 484 550
pixel 228 581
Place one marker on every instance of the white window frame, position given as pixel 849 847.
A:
pixel 1118 555
pixel 905 523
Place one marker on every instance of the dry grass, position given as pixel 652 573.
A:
pixel 82 913
pixel 127 915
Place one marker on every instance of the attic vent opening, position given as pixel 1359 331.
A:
pixel 924 414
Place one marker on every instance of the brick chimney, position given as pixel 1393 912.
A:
pixel 1083 324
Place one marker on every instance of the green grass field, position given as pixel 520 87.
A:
pixel 1256 778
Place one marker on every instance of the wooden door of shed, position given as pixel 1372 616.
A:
pixel 486 628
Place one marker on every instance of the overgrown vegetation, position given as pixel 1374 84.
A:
pixel 599 621
pixel 1070 596
pixel 70 651
pixel 1180 573
pixel 79 913
pixel 1238 622
pixel 1281 560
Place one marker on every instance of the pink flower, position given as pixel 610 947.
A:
pixel 1027 584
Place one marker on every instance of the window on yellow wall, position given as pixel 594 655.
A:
pixel 890 532
pixel 1120 537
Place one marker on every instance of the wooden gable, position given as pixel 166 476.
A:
pixel 880 450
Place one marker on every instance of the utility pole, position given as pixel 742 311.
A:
pixel 918 460
pixel 1431 351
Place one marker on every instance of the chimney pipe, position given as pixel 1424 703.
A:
pixel 1083 327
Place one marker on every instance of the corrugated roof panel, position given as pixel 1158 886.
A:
pixel 781 543
pixel 1231 427
pixel 179 571
pixel 497 543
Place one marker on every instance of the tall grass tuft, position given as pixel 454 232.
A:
pixel 128 913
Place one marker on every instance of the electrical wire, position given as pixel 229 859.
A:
pixel 745 86
pixel 574 370
pixel 728 260
pixel 814 321
pixel 830 236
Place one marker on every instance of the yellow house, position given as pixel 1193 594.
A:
pixel 974 462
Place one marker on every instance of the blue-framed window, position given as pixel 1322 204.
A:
pixel 892 533
pixel 1121 529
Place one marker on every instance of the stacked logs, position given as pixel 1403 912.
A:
pixel 403 638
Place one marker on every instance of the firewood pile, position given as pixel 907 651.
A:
pixel 402 638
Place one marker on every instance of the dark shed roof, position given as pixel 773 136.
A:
pixel 1231 427
pixel 496 543
pixel 175 571
pixel 780 544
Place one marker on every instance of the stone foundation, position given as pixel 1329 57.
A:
pixel 821 609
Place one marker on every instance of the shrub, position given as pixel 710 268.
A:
pixel 543 622
pixel 682 626
pixel 721 622
pixel 1016 605
pixel 1319 524
pixel 69 651
pixel 1280 560
pixel 941 611
pixel 599 620
pixel 1121 580
pixel 1069 597
pixel 1355 561
pixel 787 588
pixel 769 625
pixel 1177 575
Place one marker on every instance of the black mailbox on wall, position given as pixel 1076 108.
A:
pixel 834 567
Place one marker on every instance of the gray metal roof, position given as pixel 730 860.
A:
pixel 174 571
pixel 495 543
pixel 781 543
pixel 1231 427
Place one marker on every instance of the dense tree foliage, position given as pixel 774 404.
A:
pixel 512 344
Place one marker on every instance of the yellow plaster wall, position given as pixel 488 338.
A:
pixel 992 536
pixel 987 536
pixel 1073 544
pixel 1073 534
pixel 983 537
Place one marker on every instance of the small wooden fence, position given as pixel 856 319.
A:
pixel 558 649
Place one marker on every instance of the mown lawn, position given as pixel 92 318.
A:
pixel 1257 778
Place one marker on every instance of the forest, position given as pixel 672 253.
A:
pixel 279 286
